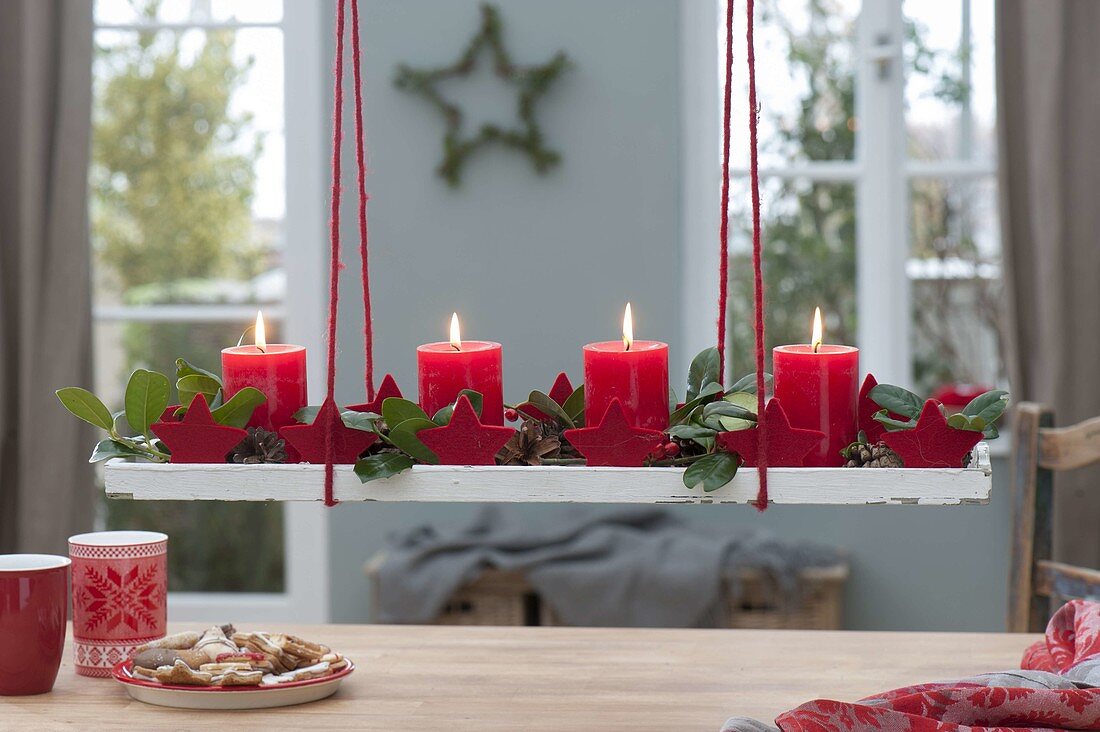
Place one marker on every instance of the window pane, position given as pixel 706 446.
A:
pixel 188 11
pixel 809 240
pixel 204 538
pixel 956 274
pixel 949 86
pixel 187 176
pixel 187 201
pixel 212 547
pixel 805 81
pixel 121 347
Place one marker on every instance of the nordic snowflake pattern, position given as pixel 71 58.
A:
pixel 130 600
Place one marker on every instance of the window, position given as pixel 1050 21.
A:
pixel 954 234
pixel 190 229
pixel 877 155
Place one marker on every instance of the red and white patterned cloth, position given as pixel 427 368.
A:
pixel 1058 688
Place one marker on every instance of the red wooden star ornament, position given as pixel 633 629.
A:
pixel 614 441
pixel 465 440
pixel 872 429
pixel 932 443
pixel 309 439
pixel 866 409
pixel 169 414
pixel 559 392
pixel 388 389
pixel 787 446
pixel 197 438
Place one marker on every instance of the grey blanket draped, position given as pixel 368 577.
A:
pixel 611 567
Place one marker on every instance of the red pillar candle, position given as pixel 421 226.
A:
pixel 276 369
pixel 634 372
pixel 446 368
pixel 818 386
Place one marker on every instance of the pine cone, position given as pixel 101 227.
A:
pixel 864 455
pixel 555 429
pixel 261 446
pixel 529 445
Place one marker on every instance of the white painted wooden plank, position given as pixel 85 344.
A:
pixel 446 483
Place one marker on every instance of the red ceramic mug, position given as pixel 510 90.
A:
pixel 120 594
pixel 34 604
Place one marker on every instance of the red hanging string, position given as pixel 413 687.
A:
pixel 334 241
pixel 368 328
pixel 723 226
pixel 757 270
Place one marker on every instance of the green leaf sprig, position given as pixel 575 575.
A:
pixel 397 427
pixel 712 471
pixel 568 415
pixel 979 415
pixel 146 398
pixel 192 381
pixel 708 410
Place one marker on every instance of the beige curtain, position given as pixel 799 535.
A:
pixel 45 325
pixel 1049 124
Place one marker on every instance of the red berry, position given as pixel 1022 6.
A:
pixel 511 415
pixel 672 449
pixel 658 453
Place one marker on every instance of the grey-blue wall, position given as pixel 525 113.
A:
pixel 545 264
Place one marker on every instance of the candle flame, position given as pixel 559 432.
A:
pixel 817 338
pixel 456 335
pixel 628 329
pixel 260 334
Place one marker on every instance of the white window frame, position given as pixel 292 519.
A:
pixel 881 172
pixel 306 598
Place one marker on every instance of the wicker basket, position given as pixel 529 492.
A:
pixel 505 598
pixel 496 597
pixel 819 606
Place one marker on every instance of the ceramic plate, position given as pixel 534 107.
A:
pixel 228 697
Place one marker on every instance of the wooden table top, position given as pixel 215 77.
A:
pixel 532 679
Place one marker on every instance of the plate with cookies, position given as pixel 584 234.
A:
pixel 223 668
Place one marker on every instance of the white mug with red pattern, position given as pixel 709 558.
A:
pixel 120 596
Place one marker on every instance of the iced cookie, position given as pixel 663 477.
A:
pixel 157 657
pixel 239 678
pixel 335 661
pixel 221 668
pixel 145 674
pixel 260 643
pixel 181 673
pixel 306 673
pixel 240 657
pixel 303 649
pixel 213 643
pixel 177 641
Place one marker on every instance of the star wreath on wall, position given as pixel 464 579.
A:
pixel 530 83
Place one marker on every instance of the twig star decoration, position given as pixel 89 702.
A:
pixel 530 82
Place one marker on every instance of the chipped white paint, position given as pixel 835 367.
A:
pixel 445 483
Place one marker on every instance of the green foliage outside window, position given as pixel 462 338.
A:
pixel 172 181
pixel 171 185
pixel 809 228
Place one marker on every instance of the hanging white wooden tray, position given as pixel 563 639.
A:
pixel 448 483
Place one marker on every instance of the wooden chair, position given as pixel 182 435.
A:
pixel 1036 584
